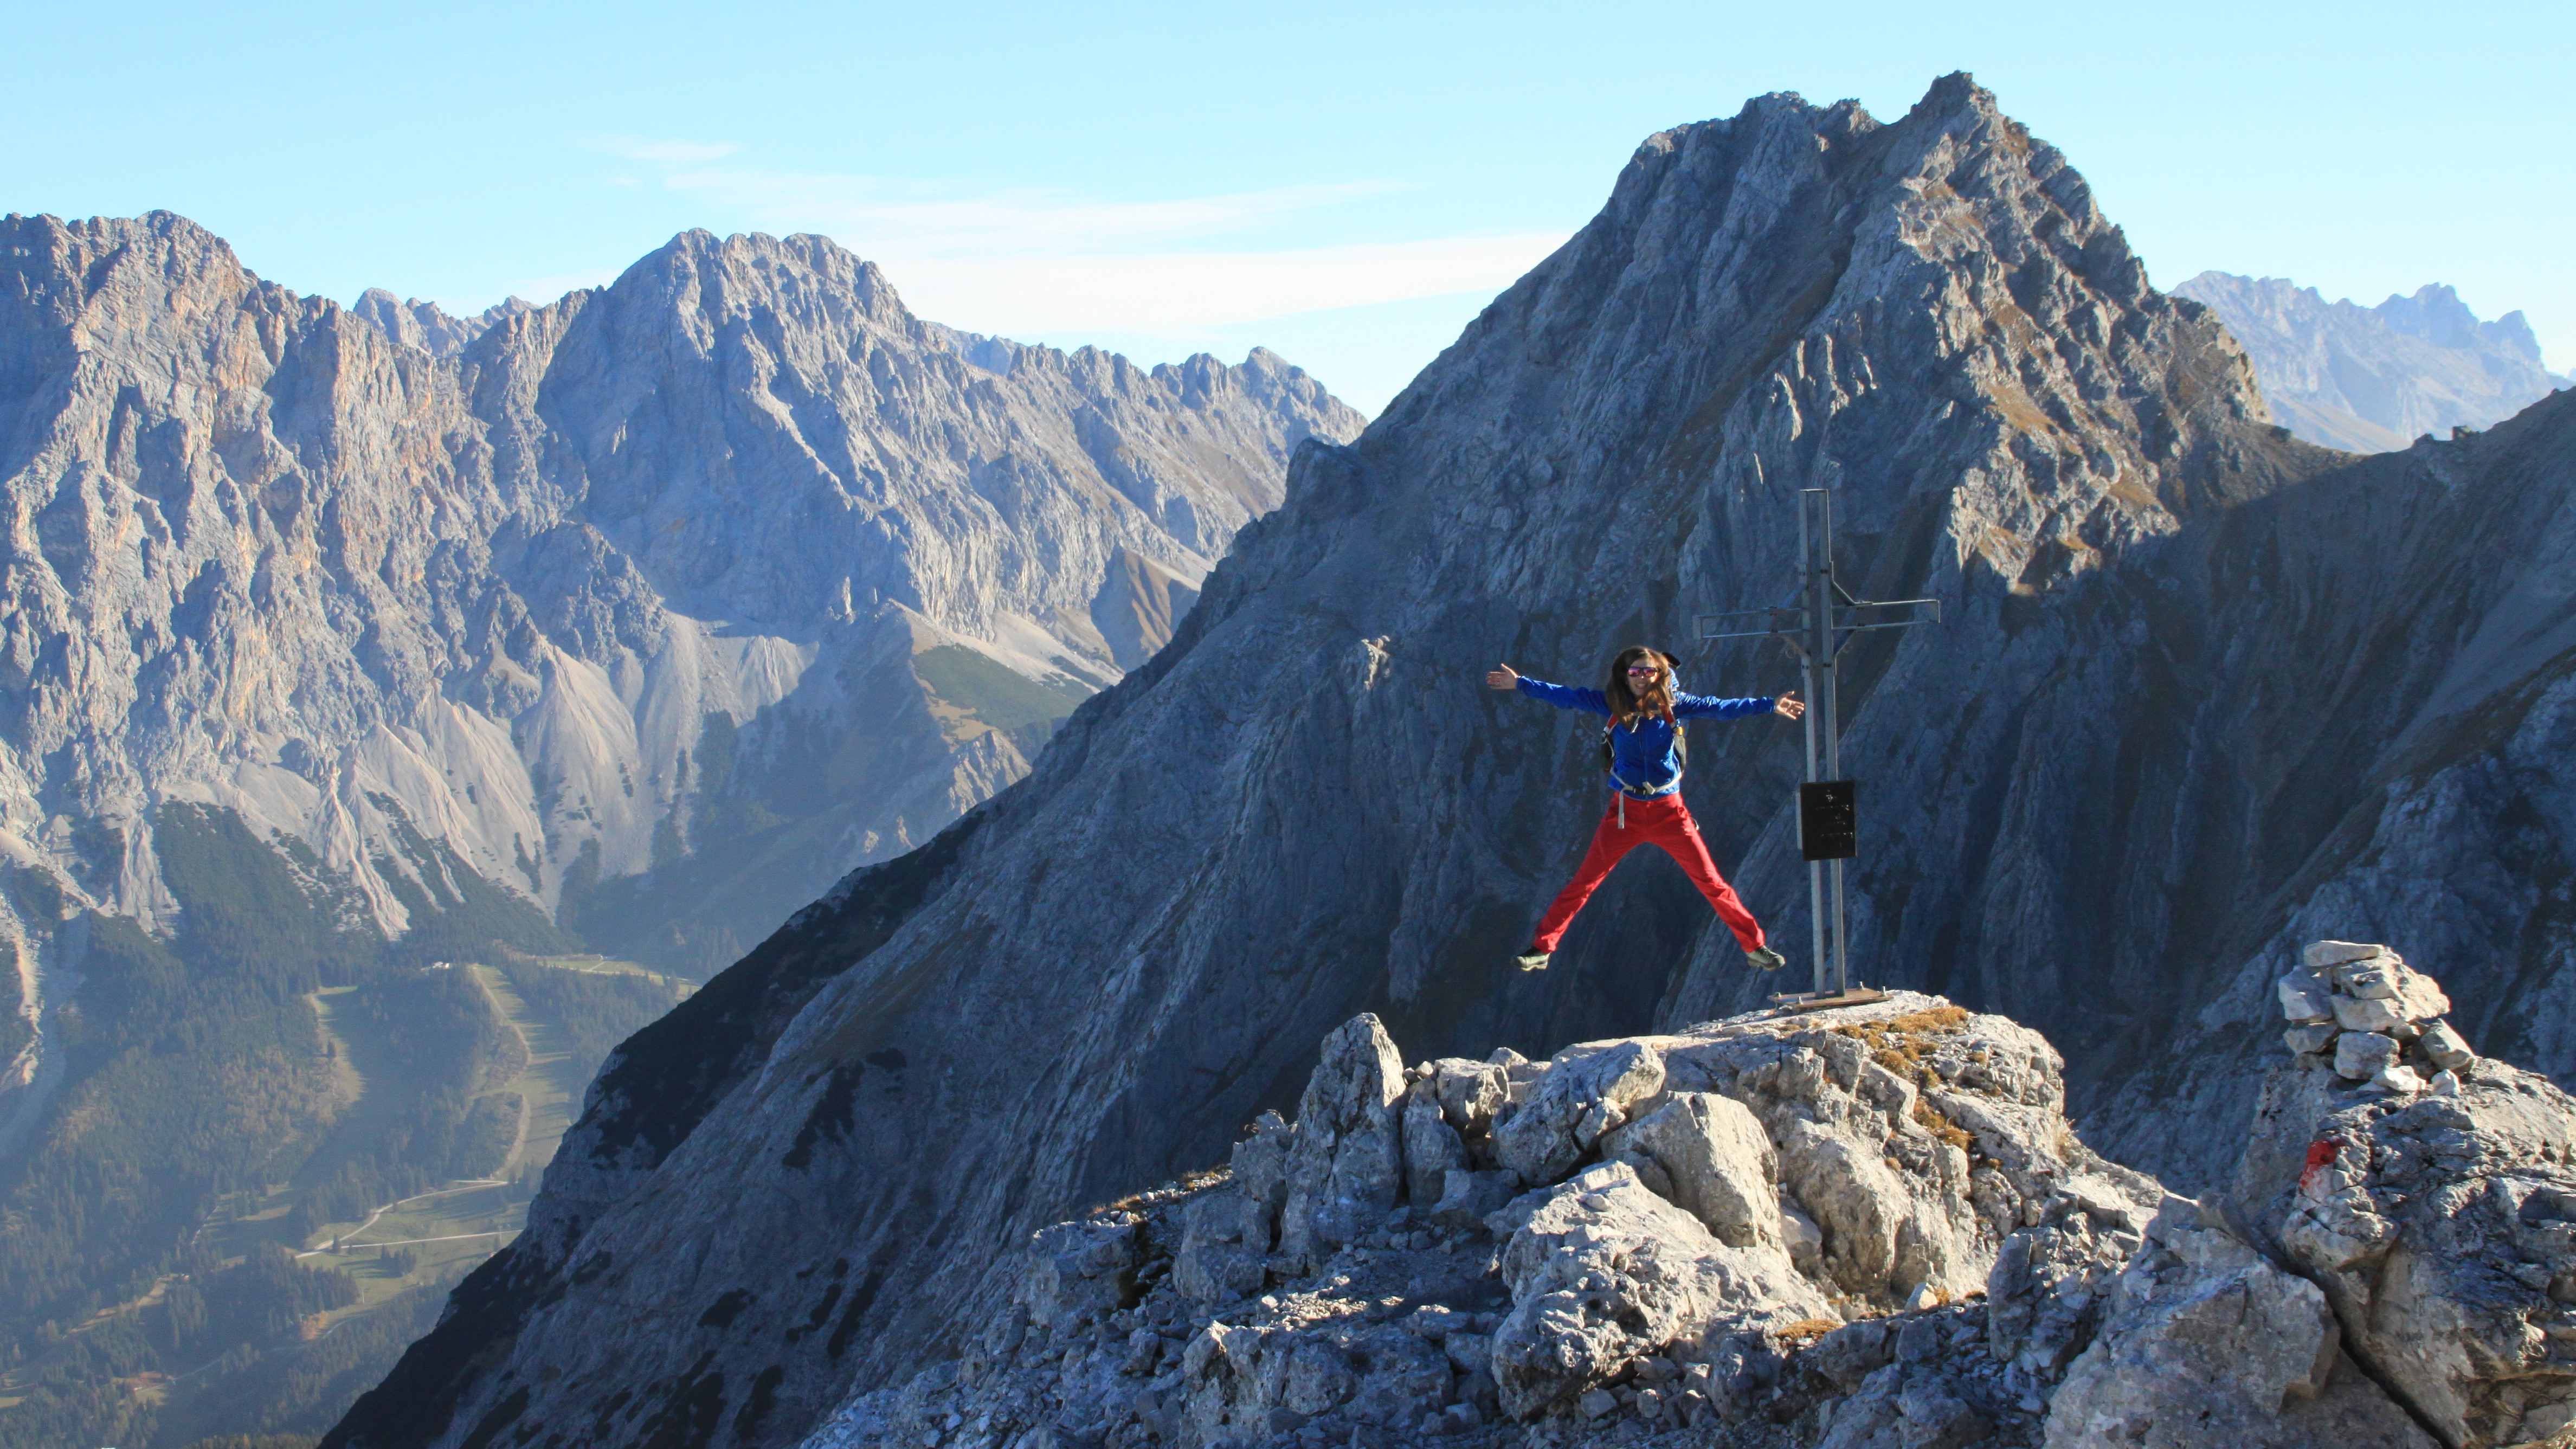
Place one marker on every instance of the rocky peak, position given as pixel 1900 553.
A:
pixel 583 529
pixel 423 325
pixel 2370 379
pixel 1858 1229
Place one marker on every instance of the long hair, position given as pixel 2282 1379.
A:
pixel 1627 704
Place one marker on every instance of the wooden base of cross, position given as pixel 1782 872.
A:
pixel 1792 1003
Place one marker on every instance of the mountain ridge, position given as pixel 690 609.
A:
pixel 1929 314
pixel 2370 379
pixel 627 623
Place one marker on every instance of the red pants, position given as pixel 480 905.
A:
pixel 1664 822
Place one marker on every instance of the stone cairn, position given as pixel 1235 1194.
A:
pixel 2373 1018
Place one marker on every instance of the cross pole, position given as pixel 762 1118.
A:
pixel 1819 620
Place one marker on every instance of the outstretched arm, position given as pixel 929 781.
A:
pixel 1702 706
pixel 1503 676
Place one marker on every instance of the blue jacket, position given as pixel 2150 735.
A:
pixel 1641 755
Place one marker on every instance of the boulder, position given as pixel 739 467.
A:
pixel 2442 1228
pixel 2335 953
pixel 2206 1344
pixel 1218 1261
pixel 1914 1135
pixel 1432 1150
pixel 2304 998
pixel 1719 1164
pixel 1467 1198
pixel 1585 1092
pixel 1080 1272
pixel 2419 997
pixel 2444 1048
pixel 1469 1093
pixel 1604 1273
pixel 1345 1165
pixel 2354 1013
pixel 2305 1039
pixel 2360 1055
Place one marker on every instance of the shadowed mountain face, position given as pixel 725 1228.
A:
pixel 2368 379
pixel 1307 805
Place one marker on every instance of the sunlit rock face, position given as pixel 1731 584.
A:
pixel 733 569
pixel 2372 379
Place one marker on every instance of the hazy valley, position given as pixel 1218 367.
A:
pixel 363 669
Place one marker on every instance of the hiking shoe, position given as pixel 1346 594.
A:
pixel 1763 958
pixel 1531 960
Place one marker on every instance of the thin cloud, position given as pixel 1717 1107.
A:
pixel 1026 262
pixel 1182 292
pixel 887 216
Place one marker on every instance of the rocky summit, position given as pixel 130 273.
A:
pixel 1863 1228
pixel 2200 692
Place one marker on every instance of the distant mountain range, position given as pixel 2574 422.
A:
pixel 340 642
pixel 2373 379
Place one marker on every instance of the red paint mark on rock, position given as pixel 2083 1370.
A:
pixel 2321 1155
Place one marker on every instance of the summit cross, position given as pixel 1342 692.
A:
pixel 1819 620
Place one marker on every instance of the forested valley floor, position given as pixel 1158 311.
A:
pixel 279 1140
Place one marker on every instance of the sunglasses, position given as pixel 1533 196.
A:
pixel 1643 672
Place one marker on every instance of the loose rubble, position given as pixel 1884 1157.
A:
pixel 1868 1228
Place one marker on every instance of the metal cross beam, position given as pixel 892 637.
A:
pixel 1819 621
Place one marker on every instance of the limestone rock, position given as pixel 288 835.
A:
pixel 2443 1230
pixel 2335 953
pixel 2304 999
pixel 1604 1272
pixel 2361 1054
pixel 1082 1273
pixel 1880 1158
pixel 2444 1048
pixel 1470 1092
pixel 2360 1014
pixel 1432 1151
pixel 2205 1344
pixel 1720 1166
pixel 1583 1094
pixel 1217 1262
pixel 2049 1285
pixel 1346 1159
pixel 2303 1040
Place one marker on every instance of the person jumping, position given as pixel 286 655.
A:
pixel 1643 747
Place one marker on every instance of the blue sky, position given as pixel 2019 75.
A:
pixel 1346 184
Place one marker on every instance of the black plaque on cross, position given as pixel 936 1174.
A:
pixel 1828 819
